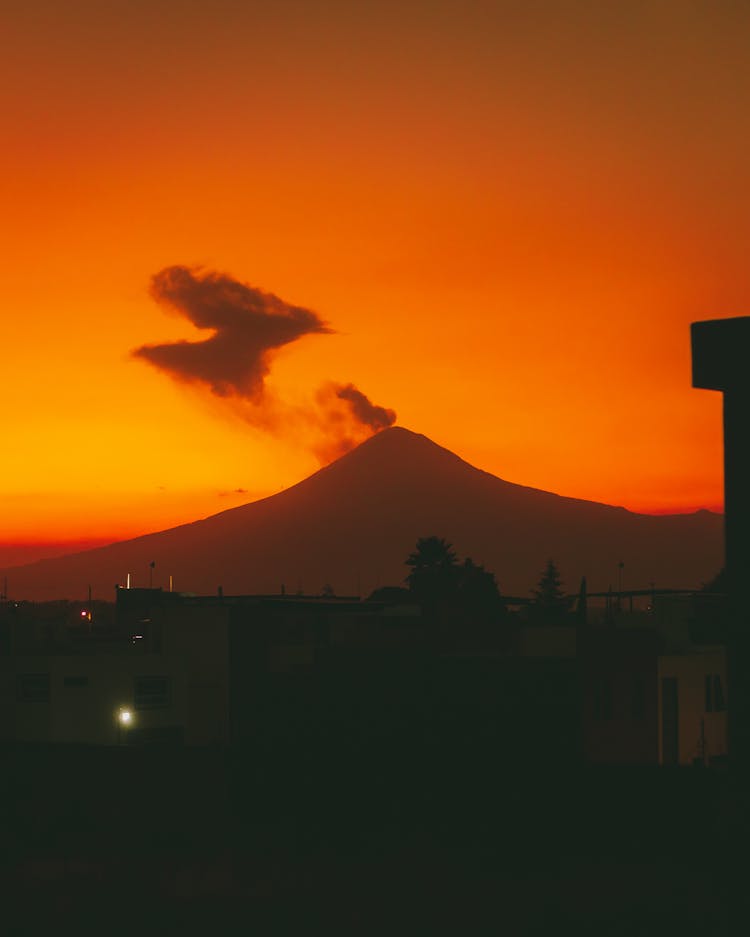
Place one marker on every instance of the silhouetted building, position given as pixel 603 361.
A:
pixel 319 673
pixel 720 353
pixel 653 692
pixel 286 672
pixel 161 671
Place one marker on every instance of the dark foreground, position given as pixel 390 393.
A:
pixel 139 841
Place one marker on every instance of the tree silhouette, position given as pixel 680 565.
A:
pixel 437 580
pixel 478 591
pixel 549 604
pixel 433 570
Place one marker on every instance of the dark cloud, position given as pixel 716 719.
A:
pixel 248 326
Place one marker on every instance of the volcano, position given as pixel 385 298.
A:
pixel 352 524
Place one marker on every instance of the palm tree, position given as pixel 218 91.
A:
pixel 433 569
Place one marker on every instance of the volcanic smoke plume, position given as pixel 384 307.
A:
pixel 347 417
pixel 248 326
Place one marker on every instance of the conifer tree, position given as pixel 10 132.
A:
pixel 549 604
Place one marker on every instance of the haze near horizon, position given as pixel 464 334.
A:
pixel 350 525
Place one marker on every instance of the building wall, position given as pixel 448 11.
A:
pixel 696 728
pixel 196 639
pixel 88 675
pixel 558 641
pixel 618 670
pixel 86 692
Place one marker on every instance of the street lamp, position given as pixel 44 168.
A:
pixel 124 721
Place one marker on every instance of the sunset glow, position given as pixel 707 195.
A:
pixel 508 215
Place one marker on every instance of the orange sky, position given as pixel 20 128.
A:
pixel 509 213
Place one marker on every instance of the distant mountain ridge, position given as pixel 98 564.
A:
pixel 352 524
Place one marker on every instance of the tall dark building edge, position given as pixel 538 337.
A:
pixel 721 361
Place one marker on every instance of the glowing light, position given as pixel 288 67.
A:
pixel 125 716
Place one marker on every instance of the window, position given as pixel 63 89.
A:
pixel 714 694
pixel 5 637
pixel 33 687
pixel 151 692
pixel 719 704
pixel 75 681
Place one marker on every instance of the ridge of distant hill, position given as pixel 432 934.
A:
pixel 353 523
